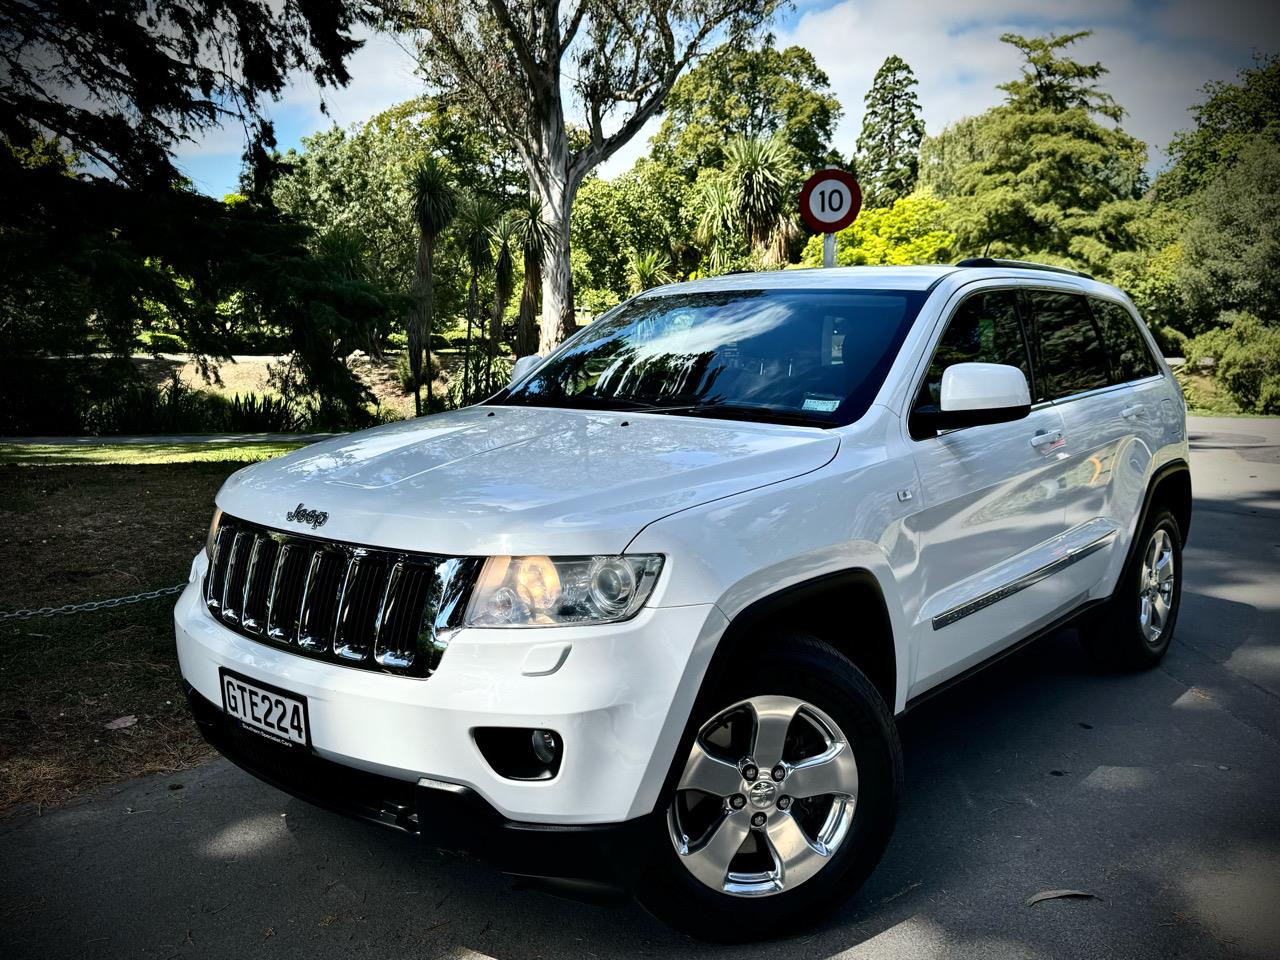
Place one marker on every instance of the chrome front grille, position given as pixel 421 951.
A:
pixel 358 606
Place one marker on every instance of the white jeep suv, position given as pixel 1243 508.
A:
pixel 643 620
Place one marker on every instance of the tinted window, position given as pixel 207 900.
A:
pixel 1072 358
pixel 1130 357
pixel 984 329
pixel 813 356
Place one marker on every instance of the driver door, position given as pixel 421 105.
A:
pixel 992 516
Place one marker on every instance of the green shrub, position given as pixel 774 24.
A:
pixel 1246 360
pixel 406 375
pixel 160 341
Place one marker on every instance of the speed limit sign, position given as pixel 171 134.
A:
pixel 829 202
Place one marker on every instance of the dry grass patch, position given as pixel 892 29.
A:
pixel 75 533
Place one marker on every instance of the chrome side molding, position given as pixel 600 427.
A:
pixel 1073 554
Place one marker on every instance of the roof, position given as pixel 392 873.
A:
pixel 879 278
pixel 819 278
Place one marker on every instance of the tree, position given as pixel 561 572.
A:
pixel 1246 356
pixel 888 157
pixel 752 92
pixel 947 155
pixel 106 242
pixel 434 205
pixel 647 269
pixel 513 62
pixel 1226 123
pixel 361 178
pixel 717 220
pixel 122 82
pixel 504 239
pixel 912 230
pixel 1049 181
pixel 1057 84
pixel 472 229
pixel 531 235
pixel 758 173
pixel 645 208
pixel 1232 243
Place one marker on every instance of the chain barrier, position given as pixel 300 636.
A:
pixel 68 608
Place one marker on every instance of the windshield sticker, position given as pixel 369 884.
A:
pixel 820 404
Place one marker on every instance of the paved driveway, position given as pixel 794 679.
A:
pixel 1158 793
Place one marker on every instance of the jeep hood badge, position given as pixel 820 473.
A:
pixel 300 514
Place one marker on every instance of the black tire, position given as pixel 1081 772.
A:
pixel 799 666
pixel 1115 638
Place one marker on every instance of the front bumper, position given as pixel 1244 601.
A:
pixel 594 860
pixel 619 697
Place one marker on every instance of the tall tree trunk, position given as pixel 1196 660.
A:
pixel 556 185
pixel 557 280
pixel 473 301
pixel 416 324
pixel 527 329
pixel 426 256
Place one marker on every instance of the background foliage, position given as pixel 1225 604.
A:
pixel 110 254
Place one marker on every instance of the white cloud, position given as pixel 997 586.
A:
pixel 1159 54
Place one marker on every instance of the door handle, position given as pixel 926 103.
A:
pixel 1047 440
pixel 1137 410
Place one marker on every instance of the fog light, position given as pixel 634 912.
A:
pixel 545 746
pixel 520 753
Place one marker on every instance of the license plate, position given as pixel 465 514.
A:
pixel 266 710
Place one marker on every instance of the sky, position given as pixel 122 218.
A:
pixel 1159 53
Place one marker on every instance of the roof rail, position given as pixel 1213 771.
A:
pixel 1019 264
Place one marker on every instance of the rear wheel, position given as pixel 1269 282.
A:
pixel 785 799
pixel 1135 626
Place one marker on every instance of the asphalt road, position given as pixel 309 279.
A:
pixel 1157 793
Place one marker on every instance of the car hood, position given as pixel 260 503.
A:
pixel 519 480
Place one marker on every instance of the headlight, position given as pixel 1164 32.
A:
pixel 546 591
pixel 213 534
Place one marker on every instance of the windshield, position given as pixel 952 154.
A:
pixel 794 356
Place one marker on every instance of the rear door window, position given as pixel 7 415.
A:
pixel 1130 356
pixel 1072 358
pixel 984 328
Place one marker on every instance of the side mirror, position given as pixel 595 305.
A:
pixel 974 394
pixel 524 366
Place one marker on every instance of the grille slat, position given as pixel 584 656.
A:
pixel 230 585
pixel 358 606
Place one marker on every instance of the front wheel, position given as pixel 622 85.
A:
pixel 785 800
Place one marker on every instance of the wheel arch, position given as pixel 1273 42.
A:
pixel 823 606
pixel 854 588
pixel 1170 487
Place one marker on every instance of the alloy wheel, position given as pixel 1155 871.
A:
pixel 766 797
pixel 1155 602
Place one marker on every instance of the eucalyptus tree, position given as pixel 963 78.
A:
pixel 519 62
pixel 531 233
pixel 434 205
pixel 476 216
pixel 505 238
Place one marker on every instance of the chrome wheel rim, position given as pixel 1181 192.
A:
pixel 1155 598
pixel 766 797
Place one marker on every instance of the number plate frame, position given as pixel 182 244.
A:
pixel 247 723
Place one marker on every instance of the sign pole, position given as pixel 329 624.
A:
pixel 828 249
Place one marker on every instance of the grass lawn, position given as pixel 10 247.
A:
pixel 95 530
pixel 230 452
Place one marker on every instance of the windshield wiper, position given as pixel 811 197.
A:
pixel 742 411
